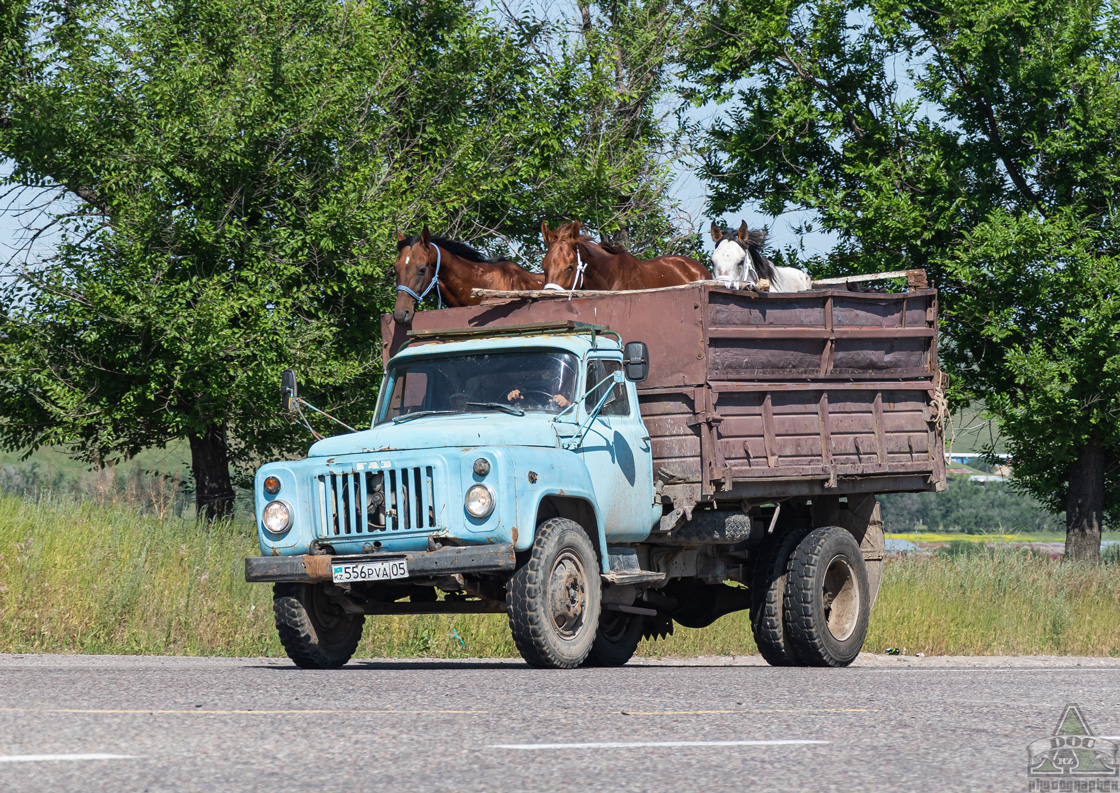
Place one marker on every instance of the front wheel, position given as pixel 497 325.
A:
pixel 826 598
pixel 553 599
pixel 316 632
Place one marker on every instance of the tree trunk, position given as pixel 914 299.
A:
pixel 1085 504
pixel 213 496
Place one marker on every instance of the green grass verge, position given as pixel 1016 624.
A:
pixel 104 579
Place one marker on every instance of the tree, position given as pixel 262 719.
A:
pixel 225 178
pixel 979 141
pixel 608 74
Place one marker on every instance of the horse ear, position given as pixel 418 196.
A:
pixel 548 234
pixel 717 235
pixel 575 228
pixel 400 237
pixel 743 231
pixel 425 236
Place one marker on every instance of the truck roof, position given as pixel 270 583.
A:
pixel 578 337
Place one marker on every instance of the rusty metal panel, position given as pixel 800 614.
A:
pixel 674 435
pixel 767 395
pixel 670 322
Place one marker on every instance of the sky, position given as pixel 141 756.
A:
pixel 687 188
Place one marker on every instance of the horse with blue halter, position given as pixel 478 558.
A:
pixel 427 264
pixel 738 259
pixel 574 261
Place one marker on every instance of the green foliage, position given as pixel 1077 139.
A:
pixel 225 178
pixel 1054 328
pixel 601 131
pixel 980 141
pixel 969 507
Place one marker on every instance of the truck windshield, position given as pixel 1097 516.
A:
pixel 508 382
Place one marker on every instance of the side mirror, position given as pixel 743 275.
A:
pixel 288 389
pixel 635 359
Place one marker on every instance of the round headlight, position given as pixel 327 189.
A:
pixel 271 485
pixel 480 501
pixel 277 516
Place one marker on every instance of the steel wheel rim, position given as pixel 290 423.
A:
pixel 567 595
pixel 840 598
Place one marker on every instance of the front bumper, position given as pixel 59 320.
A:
pixel 421 564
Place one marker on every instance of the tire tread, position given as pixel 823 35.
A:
pixel 527 624
pixel 768 611
pixel 297 635
pixel 805 632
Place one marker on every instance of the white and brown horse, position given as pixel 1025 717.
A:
pixel 738 259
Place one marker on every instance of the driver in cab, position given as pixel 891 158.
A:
pixel 542 390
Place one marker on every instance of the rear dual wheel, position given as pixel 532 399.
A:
pixel 827 602
pixel 768 596
pixel 810 603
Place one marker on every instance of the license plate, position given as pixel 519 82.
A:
pixel 369 571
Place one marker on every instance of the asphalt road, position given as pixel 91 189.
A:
pixel 81 723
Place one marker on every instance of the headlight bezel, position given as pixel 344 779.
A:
pixel 490 499
pixel 274 506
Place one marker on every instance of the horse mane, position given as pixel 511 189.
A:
pixel 612 247
pixel 460 249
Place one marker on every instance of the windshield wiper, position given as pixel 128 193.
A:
pixel 419 414
pixel 507 408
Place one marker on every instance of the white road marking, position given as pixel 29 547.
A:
pixel 646 744
pixel 47 758
pixel 984 670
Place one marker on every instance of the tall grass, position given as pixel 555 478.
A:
pixel 82 577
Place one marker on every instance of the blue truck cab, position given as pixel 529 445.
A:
pixel 503 471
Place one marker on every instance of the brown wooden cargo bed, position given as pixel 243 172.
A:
pixel 765 396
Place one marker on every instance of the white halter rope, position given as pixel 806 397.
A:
pixel 577 282
pixel 433 284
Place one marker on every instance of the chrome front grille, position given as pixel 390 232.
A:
pixel 369 502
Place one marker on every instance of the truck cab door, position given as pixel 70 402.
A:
pixel 618 456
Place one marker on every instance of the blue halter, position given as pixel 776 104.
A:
pixel 434 283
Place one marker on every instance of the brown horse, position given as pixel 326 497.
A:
pixel 577 262
pixel 450 269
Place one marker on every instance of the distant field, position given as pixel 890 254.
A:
pixel 175 459
pixel 83 578
pixel 1038 536
pixel 970 431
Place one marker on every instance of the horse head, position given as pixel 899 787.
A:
pixel 417 268
pixel 729 256
pixel 738 254
pixel 566 257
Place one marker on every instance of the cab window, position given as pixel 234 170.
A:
pixel 617 403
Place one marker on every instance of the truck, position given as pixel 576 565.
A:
pixel 602 467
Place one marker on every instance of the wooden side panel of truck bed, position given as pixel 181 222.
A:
pixel 766 396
